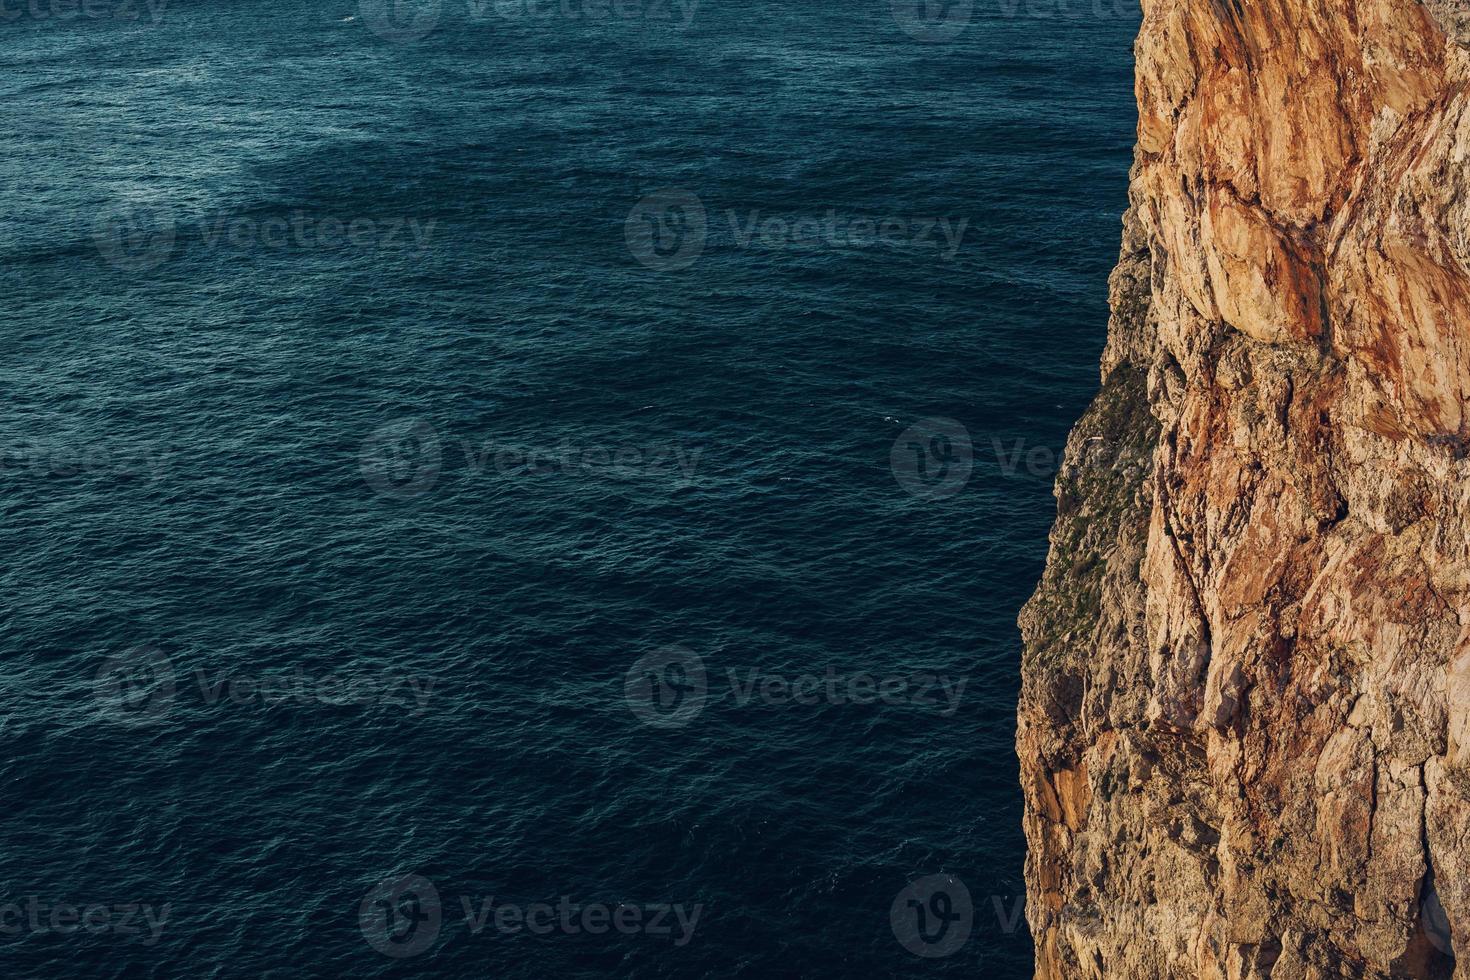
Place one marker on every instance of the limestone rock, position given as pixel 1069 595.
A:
pixel 1244 728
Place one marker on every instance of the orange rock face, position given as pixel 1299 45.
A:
pixel 1245 720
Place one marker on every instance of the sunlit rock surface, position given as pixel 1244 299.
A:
pixel 1245 722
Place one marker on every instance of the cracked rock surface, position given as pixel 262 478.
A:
pixel 1244 728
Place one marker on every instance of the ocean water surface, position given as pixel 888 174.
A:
pixel 439 440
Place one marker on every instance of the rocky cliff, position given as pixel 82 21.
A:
pixel 1245 722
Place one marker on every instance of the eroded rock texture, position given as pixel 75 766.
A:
pixel 1245 722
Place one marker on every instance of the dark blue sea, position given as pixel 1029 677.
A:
pixel 535 488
